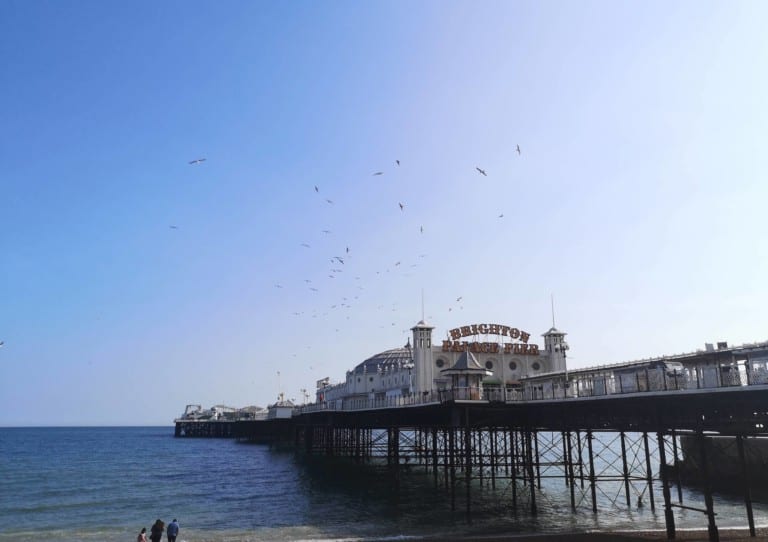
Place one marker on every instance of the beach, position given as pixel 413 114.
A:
pixel 689 535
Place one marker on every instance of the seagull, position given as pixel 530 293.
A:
pixel 278 286
pixel 378 173
pixel 347 250
pixel 305 245
pixel 174 227
pixel 482 171
pixel 196 161
pixel 341 261
pixel 326 231
pixel 501 215
pixel 397 263
pixel 307 281
pixel 313 289
pixel 397 162
pixel 459 299
pixel 401 206
pixel 317 189
pixel 2 343
pixel 421 229
pixel 329 201
pixel 519 152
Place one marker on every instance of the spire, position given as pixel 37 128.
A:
pixel 552 299
pixel 422 305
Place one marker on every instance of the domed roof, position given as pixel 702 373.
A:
pixel 389 359
pixel 423 324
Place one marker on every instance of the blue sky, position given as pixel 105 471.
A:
pixel 638 200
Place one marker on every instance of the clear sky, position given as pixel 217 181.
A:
pixel 638 200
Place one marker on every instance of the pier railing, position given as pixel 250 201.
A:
pixel 560 386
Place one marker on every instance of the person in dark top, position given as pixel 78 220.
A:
pixel 156 532
pixel 173 530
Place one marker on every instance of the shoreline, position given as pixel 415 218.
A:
pixel 727 534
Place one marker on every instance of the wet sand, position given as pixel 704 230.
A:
pixel 726 535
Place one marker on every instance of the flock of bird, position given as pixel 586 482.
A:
pixel 339 260
pixel 340 266
pixel 339 263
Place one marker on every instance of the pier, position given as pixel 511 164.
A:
pixel 616 431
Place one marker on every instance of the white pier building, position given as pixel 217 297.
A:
pixel 473 361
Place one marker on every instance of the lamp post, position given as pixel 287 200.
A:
pixel 562 348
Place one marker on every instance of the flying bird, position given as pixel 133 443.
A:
pixel 482 171
pixel 459 299
pixel 347 250
pixel 397 162
pixel 401 206
pixel 2 343
pixel 378 173
pixel 326 231
pixel 174 227
pixel 305 245
pixel 197 161
pixel 421 229
pixel 341 260
pixel 501 215
pixel 317 189
pixel 313 289
pixel 278 286
pixel 307 281
pixel 518 150
pixel 329 201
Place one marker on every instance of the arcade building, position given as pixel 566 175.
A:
pixel 474 361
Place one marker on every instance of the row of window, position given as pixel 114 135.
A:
pixel 440 363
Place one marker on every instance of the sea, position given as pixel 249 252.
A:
pixel 106 483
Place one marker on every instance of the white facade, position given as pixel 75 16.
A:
pixel 418 367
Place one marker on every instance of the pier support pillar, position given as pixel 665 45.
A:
pixel 745 483
pixel 592 480
pixel 529 460
pixel 714 536
pixel 669 516
pixel 648 471
pixel 625 470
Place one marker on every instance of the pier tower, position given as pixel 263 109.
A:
pixel 556 347
pixel 423 365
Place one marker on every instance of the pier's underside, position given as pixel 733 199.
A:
pixel 627 447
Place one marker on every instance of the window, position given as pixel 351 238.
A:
pixel 536 366
pixel 489 365
pixel 513 365
pixel 440 363
pixel 370 378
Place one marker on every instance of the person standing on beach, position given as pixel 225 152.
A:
pixel 142 535
pixel 173 530
pixel 157 531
